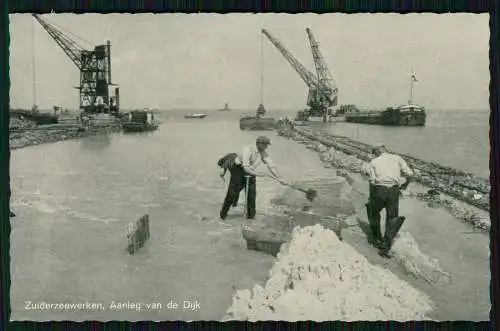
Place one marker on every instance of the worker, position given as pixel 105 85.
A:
pixel 385 176
pixel 245 164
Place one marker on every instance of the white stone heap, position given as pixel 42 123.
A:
pixel 317 277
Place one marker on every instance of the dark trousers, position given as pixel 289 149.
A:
pixel 382 197
pixel 236 184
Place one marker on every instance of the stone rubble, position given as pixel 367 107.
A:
pixel 40 135
pixel 317 277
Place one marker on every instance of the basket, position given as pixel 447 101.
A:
pixel 262 240
pixel 272 248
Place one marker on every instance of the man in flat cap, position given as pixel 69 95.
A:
pixel 244 166
pixel 386 174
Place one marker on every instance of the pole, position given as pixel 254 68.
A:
pixel 247 179
pixel 411 88
pixel 33 61
pixel 261 69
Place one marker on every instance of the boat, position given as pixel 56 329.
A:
pixel 195 116
pixel 226 108
pixel 258 122
pixel 140 121
pixel 405 115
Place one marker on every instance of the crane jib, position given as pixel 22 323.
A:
pixel 95 70
pixel 322 87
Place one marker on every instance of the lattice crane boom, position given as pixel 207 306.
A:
pixel 307 76
pixel 95 70
pixel 68 45
pixel 322 88
pixel 328 88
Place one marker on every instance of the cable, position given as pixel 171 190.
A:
pixel 33 64
pixel 262 69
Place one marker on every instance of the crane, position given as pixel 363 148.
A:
pixel 327 89
pixel 323 91
pixel 95 71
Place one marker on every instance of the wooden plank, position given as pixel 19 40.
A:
pixel 138 233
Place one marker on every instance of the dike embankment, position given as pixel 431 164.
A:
pixel 462 194
pixel 23 133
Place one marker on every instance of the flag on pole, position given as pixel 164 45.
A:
pixel 414 78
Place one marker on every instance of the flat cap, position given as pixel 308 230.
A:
pixel 378 147
pixel 264 140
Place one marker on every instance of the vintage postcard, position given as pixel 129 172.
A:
pixel 249 167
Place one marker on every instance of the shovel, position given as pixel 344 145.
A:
pixel 310 193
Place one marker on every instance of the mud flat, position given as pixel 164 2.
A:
pixel 463 195
pixel 318 277
pixel 31 136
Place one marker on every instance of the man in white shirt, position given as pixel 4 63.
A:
pixel 386 174
pixel 246 164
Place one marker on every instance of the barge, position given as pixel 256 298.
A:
pixel 406 115
pixel 140 121
pixel 258 122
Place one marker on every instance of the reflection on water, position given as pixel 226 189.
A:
pixel 97 142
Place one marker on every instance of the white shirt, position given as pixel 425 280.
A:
pixel 251 157
pixel 386 170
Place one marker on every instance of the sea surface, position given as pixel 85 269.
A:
pixel 455 138
pixel 74 200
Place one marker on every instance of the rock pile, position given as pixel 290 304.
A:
pixel 30 137
pixel 458 184
pixel 20 123
pixel 317 277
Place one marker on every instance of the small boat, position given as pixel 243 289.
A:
pixel 140 121
pixel 195 116
pixel 258 122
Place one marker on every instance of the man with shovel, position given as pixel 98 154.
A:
pixel 243 175
pixel 385 186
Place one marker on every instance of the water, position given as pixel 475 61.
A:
pixel 74 199
pixel 459 139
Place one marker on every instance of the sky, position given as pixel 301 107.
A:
pixel 202 61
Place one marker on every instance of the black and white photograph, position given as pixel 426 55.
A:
pixel 250 167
